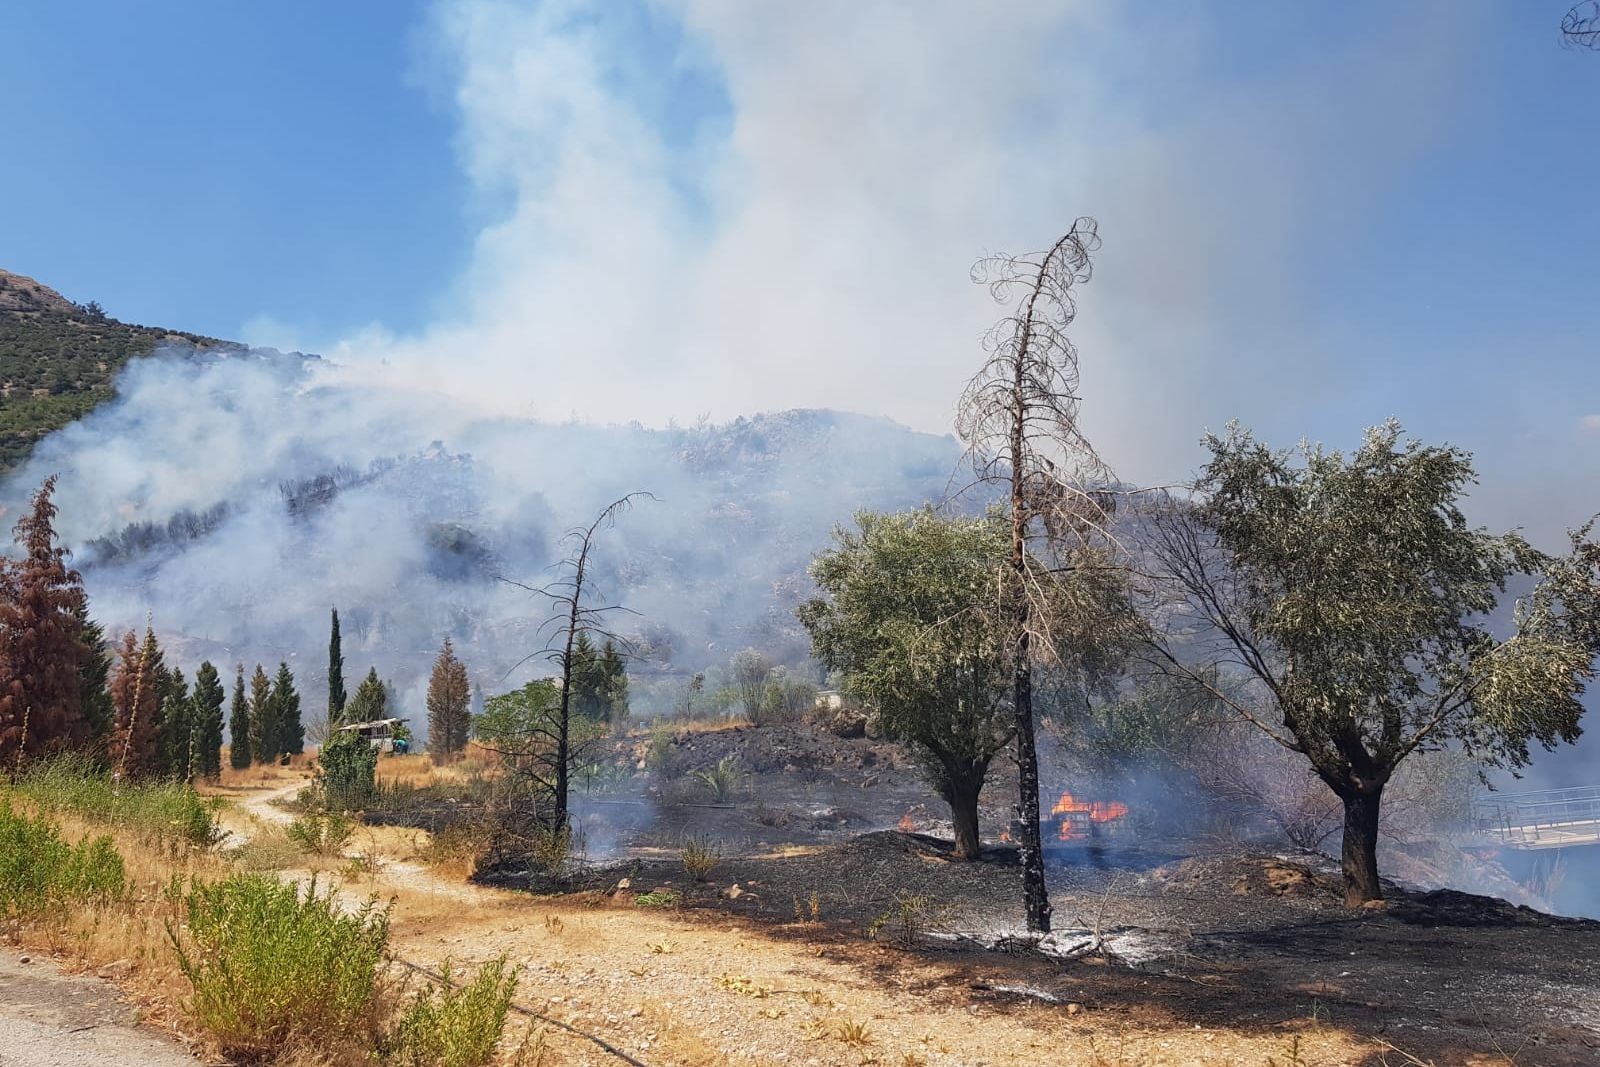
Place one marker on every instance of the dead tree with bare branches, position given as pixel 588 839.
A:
pixel 1019 422
pixel 574 611
pixel 1580 26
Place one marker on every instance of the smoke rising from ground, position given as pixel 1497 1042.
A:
pixel 236 498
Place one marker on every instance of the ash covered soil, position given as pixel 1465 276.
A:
pixel 836 840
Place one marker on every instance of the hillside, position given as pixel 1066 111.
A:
pixel 58 359
pixel 280 487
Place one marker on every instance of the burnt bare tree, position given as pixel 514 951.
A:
pixel 1580 26
pixel 547 749
pixel 1018 419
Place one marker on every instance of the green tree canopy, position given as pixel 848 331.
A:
pixel 263 725
pixel 1352 594
pixel 239 729
pixel 371 700
pixel 336 694
pixel 207 700
pixel 908 617
pixel 289 736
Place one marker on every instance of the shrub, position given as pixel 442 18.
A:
pixel 321 833
pixel 723 779
pixel 450 1026
pixel 457 847
pixel 700 857
pixel 347 767
pixel 270 964
pixel 551 848
pixel 657 898
pixel 169 810
pixel 40 871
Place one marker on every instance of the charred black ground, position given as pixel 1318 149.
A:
pixel 836 840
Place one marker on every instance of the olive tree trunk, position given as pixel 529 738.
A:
pixel 963 800
pixel 1359 855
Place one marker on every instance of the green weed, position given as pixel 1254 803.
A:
pixel 39 870
pixel 270 965
pixel 447 1026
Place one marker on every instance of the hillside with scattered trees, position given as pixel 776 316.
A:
pixel 58 360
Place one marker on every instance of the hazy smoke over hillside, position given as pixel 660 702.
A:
pixel 237 498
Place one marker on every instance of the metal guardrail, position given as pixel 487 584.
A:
pixel 1544 818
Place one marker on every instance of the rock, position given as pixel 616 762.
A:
pixel 733 892
pixel 24 959
pixel 117 969
pixel 1074 1008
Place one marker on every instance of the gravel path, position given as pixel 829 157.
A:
pixel 51 1019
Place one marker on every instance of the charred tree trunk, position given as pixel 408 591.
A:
pixel 1359 855
pixel 963 800
pixel 1035 898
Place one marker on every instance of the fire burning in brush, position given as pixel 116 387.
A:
pixel 905 824
pixel 1078 818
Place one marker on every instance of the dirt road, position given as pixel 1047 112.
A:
pixel 52 1019
pixel 687 988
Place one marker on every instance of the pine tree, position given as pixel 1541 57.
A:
pixel 614 683
pixel 93 676
pixel 588 685
pixel 136 694
pixel 448 697
pixel 371 700
pixel 208 698
pixel 336 696
pixel 263 730
pixel 239 728
pixel 42 650
pixel 289 734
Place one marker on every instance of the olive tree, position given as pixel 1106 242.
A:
pixel 1351 594
pixel 908 616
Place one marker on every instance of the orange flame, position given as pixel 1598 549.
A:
pixel 906 825
pixel 1097 810
pixel 1005 835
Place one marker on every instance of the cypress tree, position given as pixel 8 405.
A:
pixel 93 676
pixel 239 729
pixel 263 730
pixel 448 696
pixel 42 650
pixel 208 697
pixel 136 695
pixel 174 730
pixel 289 734
pixel 336 697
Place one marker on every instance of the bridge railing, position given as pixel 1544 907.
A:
pixel 1539 817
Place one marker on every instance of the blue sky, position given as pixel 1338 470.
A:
pixel 1315 216
pixel 197 165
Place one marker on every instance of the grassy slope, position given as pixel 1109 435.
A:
pixel 58 361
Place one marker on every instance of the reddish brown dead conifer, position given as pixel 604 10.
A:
pixel 42 649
